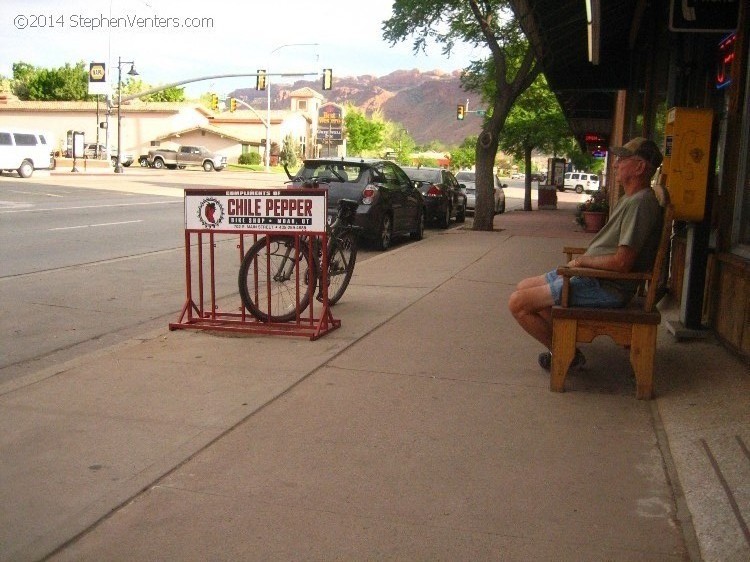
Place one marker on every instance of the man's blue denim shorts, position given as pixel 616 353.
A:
pixel 584 291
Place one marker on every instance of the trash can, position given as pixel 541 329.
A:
pixel 547 197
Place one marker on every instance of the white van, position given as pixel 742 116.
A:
pixel 25 151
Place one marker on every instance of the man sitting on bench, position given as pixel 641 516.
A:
pixel 628 242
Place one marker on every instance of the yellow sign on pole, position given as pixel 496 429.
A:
pixel 97 78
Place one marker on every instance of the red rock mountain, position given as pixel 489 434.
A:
pixel 423 102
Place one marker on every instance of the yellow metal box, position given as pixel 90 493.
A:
pixel 686 159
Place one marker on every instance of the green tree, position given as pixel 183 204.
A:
pixel 510 68
pixel 535 122
pixel 288 154
pixel 134 85
pixel 465 156
pixel 396 138
pixel 67 83
pixel 362 134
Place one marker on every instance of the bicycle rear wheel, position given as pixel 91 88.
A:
pixel 268 279
pixel 341 259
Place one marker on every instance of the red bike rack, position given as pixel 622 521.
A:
pixel 220 224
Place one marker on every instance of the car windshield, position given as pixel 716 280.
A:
pixel 331 171
pixel 465 176
pixel 421 174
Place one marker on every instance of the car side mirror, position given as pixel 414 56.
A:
pixel 503 185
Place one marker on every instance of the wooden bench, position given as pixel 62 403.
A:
pixel 632 326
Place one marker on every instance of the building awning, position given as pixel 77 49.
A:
pixel 585 81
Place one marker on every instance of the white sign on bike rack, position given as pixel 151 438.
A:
pixel 285 210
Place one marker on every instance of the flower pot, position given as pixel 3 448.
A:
pixel 593 220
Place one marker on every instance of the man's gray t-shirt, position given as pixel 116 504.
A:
pixel 635 222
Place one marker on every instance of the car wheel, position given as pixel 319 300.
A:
pixel 579 189
pixel 143 162
pixel 385 235
pixel 445 219
pixel 158 163
pixel 127 165
pixel 502 208
pixel 26 169
pixel 418 234
pixel 208 166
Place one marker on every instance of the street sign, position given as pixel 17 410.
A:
pixel 330 124
pixel 98 79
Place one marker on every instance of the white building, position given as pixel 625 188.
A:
pixel 170 124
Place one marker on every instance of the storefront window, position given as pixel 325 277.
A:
pixel 741 227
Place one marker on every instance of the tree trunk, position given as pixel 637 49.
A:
pixel 527 181
pixel 484 211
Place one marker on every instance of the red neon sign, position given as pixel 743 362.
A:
pixel 725 57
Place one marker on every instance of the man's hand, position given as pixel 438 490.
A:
pixel 621 261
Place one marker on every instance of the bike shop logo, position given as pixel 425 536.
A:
pixel 210 212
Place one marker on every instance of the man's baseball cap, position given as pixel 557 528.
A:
pixel 642 148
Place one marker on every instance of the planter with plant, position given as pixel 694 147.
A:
pixel 592 214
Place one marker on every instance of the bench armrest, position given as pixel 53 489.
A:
pixel 570 251
pixel 568 272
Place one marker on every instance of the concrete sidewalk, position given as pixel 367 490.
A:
pixel 420 429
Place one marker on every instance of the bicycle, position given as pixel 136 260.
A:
pixel 276 265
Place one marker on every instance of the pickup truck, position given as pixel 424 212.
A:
pixel 186 156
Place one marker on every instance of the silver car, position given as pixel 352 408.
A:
pixel 467 180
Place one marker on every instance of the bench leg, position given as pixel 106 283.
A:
pixel 642 351
pixel 563 351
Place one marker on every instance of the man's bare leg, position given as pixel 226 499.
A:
pixel 531 305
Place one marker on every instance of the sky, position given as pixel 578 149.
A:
pixel 293 36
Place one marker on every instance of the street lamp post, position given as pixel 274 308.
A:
pixel 268 97
pixel 131 72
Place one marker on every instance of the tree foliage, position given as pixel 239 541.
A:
pixel 67 83
pixel 397 139
pixel 536 121
pixel 70 83
pixel 465 155
pixel 288 154
pixel 362 134
pixel 134 85
pixel 508 70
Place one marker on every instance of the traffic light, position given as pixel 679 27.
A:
pixel 214 102
pixel 460 112
pixel 232 104
pixel 327 78
pixel 260 80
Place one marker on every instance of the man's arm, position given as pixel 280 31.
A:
pixel 621 261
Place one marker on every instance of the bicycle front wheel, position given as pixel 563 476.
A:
pixel 268 279
pixel 341 259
